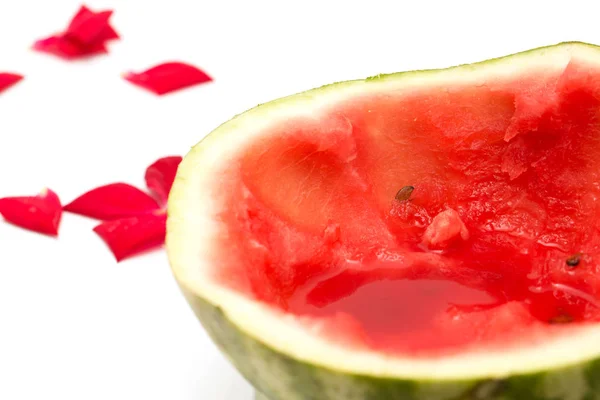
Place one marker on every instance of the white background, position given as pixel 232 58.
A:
pixel 74 324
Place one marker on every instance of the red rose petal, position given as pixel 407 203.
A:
pixel 86 35
pixel 168 77
pixel 88 27
pixel 8 79
pixel 130 236
pixel 62 47
pixel 82 14
pixel 160 176
pixel 41 213
pixel 114 201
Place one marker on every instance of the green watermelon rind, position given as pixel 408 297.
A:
pixel 277 375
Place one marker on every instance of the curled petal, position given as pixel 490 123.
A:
pixel 160 176
pixel 130 236
pixel 41 213
pixel 85 36
pixel 68 49
pixel 8 79
pixel 168 77
pixel 113 201
pixel 88 27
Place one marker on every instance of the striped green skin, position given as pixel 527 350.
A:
pixel 281 377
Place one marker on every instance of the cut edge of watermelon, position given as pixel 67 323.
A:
pixel 192 231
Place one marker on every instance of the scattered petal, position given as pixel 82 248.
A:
pixel 86 35
pixel 113 201
pixel 168 77
pixel 160 176
pixel 8 79
pixel 90 27
pixel 41 213
pixel 130 236
pixel 67 49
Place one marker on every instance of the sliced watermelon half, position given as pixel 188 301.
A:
pixel 419 235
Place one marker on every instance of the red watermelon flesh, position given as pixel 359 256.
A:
pixel 499 243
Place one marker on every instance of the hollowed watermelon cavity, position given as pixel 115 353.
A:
pixel 498 244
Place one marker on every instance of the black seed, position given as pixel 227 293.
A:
pixel 404 193
pixel 561 319
pixel 574 260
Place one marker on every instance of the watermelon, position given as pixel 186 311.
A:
pixel 424 235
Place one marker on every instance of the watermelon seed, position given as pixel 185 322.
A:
pixel 574 260
pixel 562 318
pixel 404 193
